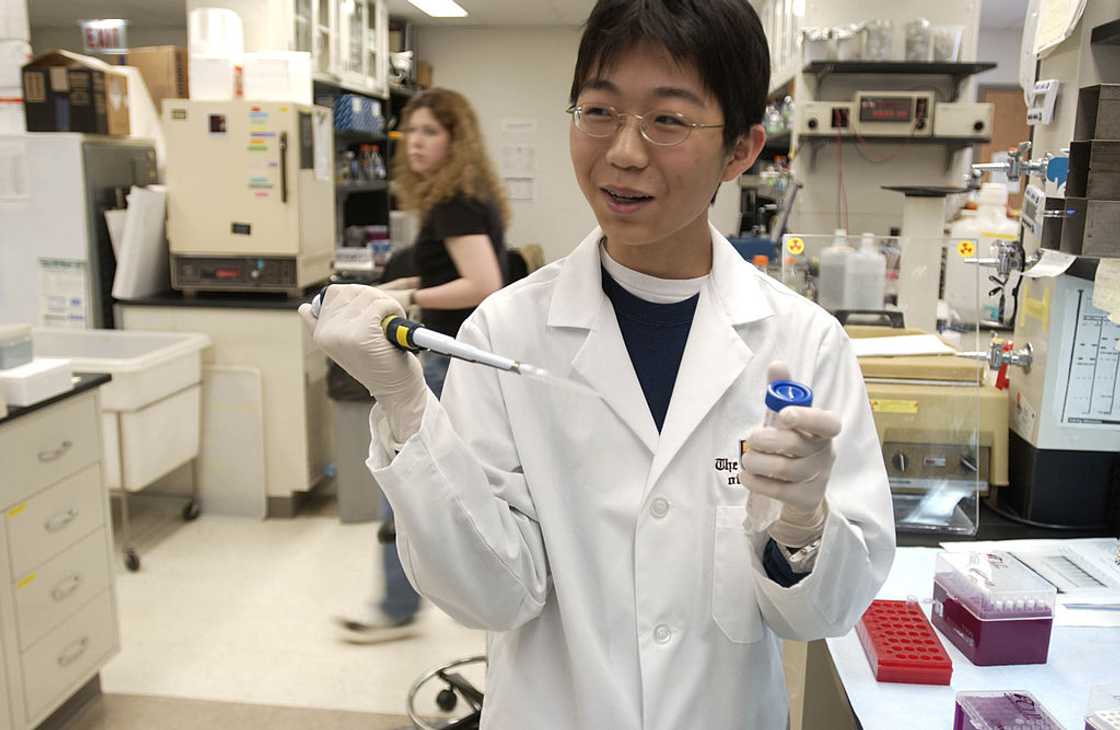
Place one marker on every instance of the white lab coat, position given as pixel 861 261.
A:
pixel 609 563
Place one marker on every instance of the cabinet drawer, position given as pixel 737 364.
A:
pixel 48 596
pixel 69 655
pixel 54 519
pixel 41 448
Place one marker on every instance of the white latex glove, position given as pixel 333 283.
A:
pixel 791 462
pixel 349 331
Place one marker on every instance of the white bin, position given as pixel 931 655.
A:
pixel 151 411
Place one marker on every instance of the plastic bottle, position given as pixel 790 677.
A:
pixel 379 170
pixel 834 266
pixel 865 282
pixel 782 394
pixel 966 286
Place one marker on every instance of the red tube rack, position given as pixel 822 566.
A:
pixel 901 646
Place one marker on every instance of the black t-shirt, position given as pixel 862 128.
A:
pixel 459 216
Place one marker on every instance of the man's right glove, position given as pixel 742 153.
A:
pixel 348 330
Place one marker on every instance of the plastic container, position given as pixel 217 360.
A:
pixel 831 293
pixel 782 394
pixel 151 410
pixel 901 646
pixel 215 32
pixel 919 40
pixel 878 40
pixel 966 289
pixel 865 277
pixel 946 41
pixel 1104 708
pixel 42 378
pixel 15 345
pixel 849 42
pixel 1001 711
pixel 993 608
pixel 818 44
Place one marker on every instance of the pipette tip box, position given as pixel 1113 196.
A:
pixel 1001 711
pixel 1104 708
pixel 901 646
pixel 993 608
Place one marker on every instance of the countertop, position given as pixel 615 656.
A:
pixel 231 300
pixel 996 527
pixel 82 383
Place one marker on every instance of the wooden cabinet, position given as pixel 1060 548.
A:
pixel 58 616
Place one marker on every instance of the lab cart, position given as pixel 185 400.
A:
pixel 150 413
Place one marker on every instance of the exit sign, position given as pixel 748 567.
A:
pixel 104 36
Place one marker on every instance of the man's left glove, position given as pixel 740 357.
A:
pixel 791 462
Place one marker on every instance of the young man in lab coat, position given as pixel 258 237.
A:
pixel 630 573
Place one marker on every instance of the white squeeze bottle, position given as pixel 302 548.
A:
pixel 865 284
pixel 834 266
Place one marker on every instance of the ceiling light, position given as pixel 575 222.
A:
pixel 440 8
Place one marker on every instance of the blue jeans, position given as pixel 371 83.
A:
pixel 401 601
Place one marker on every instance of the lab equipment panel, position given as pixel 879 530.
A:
pixel 963 119
pixel 249 182
pixel 894 113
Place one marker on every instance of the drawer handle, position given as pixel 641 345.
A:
pixel 66 587
pixel 72 651
pixel 61 520
pixel 55 454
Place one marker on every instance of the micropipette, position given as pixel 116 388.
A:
pixel 413 336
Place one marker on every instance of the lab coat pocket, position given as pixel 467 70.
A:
pixel 734 606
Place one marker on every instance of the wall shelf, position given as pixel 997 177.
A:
pixel 956 71
pixel 354 137
pixel 376 186
pixel 952 144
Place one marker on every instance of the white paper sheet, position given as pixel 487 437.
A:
pixel 114 221
pixel 13 172
pixel 324 153
pixel 1079 659
pixel 1056 21
pixel 900 346
pixel 63 293
pixel 142 264
pixel 1106 287
pixel 1052 263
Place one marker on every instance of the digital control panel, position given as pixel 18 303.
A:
pixel 894 113
pixel 250 273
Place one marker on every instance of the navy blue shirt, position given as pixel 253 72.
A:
pixel 655 337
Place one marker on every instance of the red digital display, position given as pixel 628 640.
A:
pixel 886 109
pixel 226 274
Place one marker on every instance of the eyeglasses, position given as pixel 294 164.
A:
pixel 661 128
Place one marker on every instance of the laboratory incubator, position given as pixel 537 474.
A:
pixel 251 195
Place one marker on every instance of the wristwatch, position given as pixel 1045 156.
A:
pixel 801 560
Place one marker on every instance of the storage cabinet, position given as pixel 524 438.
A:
pixel 58 616
pixel 348 39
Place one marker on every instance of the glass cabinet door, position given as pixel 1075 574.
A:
pixel 323 36
pixel 377 46
pixel 302 18
pixel 355 37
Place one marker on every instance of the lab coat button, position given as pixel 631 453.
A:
pixel 659 508
pixel 662 634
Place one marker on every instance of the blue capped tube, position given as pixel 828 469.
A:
pixel 782 394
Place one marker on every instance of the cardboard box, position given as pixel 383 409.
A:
pixel 424 74
pixel 165 71
pixel 68 92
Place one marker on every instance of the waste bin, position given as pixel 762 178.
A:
pixel 359 496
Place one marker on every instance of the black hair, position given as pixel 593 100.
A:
pixel 723 38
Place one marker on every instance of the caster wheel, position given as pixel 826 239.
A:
pixel 447 699
pixel 191 511
pixel 131 560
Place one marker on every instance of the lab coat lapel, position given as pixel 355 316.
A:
pixel 602 360
pixel 715 354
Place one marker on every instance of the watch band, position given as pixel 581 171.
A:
pixel 801 560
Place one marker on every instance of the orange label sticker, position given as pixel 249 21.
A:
pixel 795 246
pixel 966 249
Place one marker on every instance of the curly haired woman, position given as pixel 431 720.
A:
pixel 440 171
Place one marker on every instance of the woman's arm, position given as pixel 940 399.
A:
pixel 405 282
pixel 479 275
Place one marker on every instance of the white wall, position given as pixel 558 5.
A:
pixel 525 73
pixel 1001 46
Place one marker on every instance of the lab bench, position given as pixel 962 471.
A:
pixel 831 686
pixel 261 354
pixel 58 611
